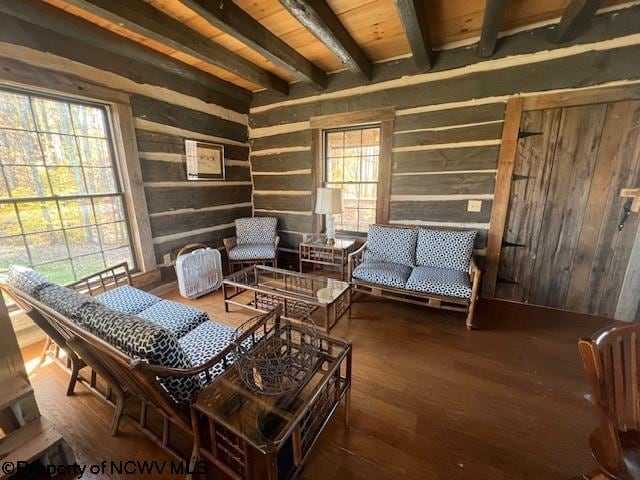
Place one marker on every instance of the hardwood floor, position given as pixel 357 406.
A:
pixel 430 400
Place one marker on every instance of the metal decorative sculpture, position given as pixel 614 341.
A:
pixel 281 359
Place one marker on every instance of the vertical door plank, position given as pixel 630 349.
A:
pixel 527 201
pixel 629 175
pixel 606 163
pixel 573 166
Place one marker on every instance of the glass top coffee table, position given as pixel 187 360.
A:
pixel 299 294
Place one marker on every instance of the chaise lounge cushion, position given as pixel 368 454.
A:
pixel 64 300
pixel 204 342
pixel 140 338
pixel 383 273
pixel 26 280
pixel 179 319
pixel 253 252
pixel 440 281
pixel 127 299
pixel 445 248
pixel 256 230
pixel 391 245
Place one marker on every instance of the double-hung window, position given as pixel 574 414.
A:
pixel 352 157
pixel 62 207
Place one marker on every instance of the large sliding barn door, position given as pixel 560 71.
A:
pixel 563 246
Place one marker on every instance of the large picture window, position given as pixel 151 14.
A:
pixel 352 159
pixel 61 203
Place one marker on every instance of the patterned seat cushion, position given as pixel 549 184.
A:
pixel 26 280
pixel 253 252
pixel 64 300
pixel 440 281
pixel 391 244
pixel 127 299
pixel 383 273
pixel 204 342
pixel 445 248
pixel 179 319
pixel 140 338
pixel 256 230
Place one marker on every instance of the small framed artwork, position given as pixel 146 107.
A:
pixel 205 161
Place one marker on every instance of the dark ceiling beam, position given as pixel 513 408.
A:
pixel 231 19
pixel 317 17
pixel 414 21
pixel 42 27
pixel 493 13
pixel 575 19
pixel 143 19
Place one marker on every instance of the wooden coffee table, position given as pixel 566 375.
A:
pixel 299 294
pixel 252 436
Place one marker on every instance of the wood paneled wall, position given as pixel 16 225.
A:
pixel 448 124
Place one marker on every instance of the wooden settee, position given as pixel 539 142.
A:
pixel 417 265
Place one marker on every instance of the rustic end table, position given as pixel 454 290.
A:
pixel 315 250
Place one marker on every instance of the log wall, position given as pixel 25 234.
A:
pixel 447 127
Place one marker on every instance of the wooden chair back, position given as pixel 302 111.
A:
pixel 611 359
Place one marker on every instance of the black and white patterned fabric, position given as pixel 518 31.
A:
pixel 140 338
pixel 383 273
pixel 253 252
pixel 64 300
pixel 256 230
pixel 440 281
pixel 26 280
pixel 204 342
pixel 391 244
pixel 445 248
pixel 127 299
pixel 179 319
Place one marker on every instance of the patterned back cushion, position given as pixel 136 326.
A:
pixel 391 244
pixel 445 248
pixel 143 339
pixel 256 230
pixel 26 280
pixel 64 300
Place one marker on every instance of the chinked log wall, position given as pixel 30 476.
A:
pixel 447 127
pixel 170 101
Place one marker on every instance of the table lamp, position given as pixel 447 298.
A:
pixel 328 203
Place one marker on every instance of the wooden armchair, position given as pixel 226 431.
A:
pixel 611 359
pixel 256 242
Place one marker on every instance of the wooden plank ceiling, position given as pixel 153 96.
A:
pixel 375 26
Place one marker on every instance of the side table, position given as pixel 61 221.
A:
pixel 315 250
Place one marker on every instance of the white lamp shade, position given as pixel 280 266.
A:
pixel 329 201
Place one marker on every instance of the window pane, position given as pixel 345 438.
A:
pixel 15 111
pixel 100 180
pixel 57 272
pixel 8 220
pixel 19 148
pixel 351 169
pixel 27 181
pixel 94 152
pixel 353 138
pixel 371 136
pixel 334 169
pixel 119 255
pixel 83 240
pixel 369 169
pixel 39 216
pixel 52 116
pixel 59 149
pixel 113 235
pixel 12 252
pixel 108 209
pixel 88 120
pixel 88 264
pixel 77 212
pixel 66 180
pixel 4 191
pixel 350 196
pixel 46 247
pixel 367 195
pixel 367 217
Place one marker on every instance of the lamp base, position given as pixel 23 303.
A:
pixel 331 231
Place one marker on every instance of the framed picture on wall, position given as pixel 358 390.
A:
pixel 205 161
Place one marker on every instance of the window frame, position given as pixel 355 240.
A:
pixel 53 197
pixel 120 121
pixel 382 117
